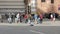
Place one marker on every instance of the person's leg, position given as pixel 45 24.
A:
pixel 37 21
pixel 25 20
pixel 53 19
pixel 11 21
pixel 17 20
pixel 41 21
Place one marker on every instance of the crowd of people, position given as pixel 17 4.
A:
pixel 29 18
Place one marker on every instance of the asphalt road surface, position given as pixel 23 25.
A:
pixel 29 30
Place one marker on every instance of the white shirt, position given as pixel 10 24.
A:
pixel 17 15
pixel 51 15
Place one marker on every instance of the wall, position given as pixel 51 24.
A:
pixel 56 5
pixel 44 7
pixel 12 4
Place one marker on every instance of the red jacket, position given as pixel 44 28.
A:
pixel 41 16
pixel 25 16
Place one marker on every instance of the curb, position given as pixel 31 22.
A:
pixel 23 24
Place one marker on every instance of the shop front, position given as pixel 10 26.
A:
pixel 6 12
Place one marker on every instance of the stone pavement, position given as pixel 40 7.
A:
pixel 45 23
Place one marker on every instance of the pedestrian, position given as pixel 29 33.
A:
pixel 29 19
pixel 21 18
pixel 51 16
pixel 1 18
pixel 54 17
pixel 18 17
pixel 41 18
pixel 35 17
pixel 38 19
pixel 26 18
pixel 10 20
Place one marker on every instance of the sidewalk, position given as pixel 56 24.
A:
pixel 13 24
pixel 45 23
pixel 49 23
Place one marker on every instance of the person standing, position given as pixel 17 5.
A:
pixel 26 18
pixel 18 17
pixel 29 18
pixel 10 19
pixel 54 17
pixel 21 18
pixel 35 17
pixel 41 18
pixel 51 16
pixel 38 20
pixel 1 18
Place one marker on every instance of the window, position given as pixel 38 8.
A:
pixel 42 0
pixel 59 8
pixel 52 1
pixel 33 3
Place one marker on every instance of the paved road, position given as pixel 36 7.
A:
pixel 29 30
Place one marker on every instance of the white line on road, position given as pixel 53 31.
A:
pixel 36 32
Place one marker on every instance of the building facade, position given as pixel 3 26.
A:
pixel 47 6
pixel 12 6
pixel 31 6
pixel 36 6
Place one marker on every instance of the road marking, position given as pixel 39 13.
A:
pixel 36 32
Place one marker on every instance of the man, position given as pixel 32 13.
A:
pixel 18 17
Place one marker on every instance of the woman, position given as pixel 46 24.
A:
pixel 26 18
pixel 41 18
